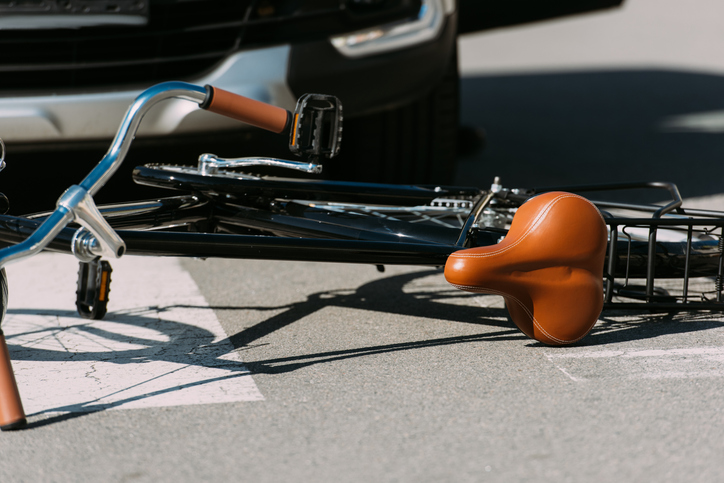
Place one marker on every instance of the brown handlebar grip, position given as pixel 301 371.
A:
pixel 249 111
pixel 12 415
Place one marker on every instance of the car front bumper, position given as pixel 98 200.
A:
pixel 276 75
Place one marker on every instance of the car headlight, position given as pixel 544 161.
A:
pixel 397 35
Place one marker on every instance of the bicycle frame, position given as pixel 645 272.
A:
pixel 269 221
pixel 77 204
pixel 318 235
pixel 304 238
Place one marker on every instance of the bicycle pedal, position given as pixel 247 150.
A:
pixel 317 126
pixel 94 285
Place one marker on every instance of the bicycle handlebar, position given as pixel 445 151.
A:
pixel 76 204
pixel 249 111
pixel 96 238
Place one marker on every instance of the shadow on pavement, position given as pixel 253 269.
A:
pixel 610 329
pixel 597 126
pixel 616 326
pixel 388 295
pixel 385 295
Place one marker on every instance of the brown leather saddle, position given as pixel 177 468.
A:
pixel 549 268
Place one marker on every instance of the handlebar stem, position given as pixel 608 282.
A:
pixel 77 203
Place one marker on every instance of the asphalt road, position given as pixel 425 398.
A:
pixel 630 94
pixel 396 376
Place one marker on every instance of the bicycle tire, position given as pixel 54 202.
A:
pixel 631 255
pixel 233 184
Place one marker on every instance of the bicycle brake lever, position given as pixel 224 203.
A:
pixel 209 164
pixel 96 238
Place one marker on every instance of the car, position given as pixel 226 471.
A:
pixel 69 69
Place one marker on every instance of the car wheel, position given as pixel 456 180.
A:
pixel 414 143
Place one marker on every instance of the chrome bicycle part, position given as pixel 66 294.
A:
pixel 127 130
pixel 77 204
pixel 2 155
pixel 447 213
pixel 85 246
pixel 209 164
pixel 40 238
pixel 97 238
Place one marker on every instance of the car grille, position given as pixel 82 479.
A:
pixel 183 39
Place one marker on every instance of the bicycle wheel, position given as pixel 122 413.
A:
pixel 239 185
pixel 321 208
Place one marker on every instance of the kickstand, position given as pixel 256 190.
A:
pixel 94 285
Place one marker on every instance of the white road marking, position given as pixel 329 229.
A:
pixel 159 345
pixel 681 363
pixel 560 368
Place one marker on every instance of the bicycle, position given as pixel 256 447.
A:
pixel 557 258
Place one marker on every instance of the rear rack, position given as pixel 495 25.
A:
pixel 660 257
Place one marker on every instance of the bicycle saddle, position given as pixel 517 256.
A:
pixel 548 268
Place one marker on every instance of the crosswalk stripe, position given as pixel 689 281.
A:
pixel 159 345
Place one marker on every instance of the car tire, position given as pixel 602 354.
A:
pixel 414 143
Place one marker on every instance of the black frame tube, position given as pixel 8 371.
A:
pixel 326 243
pixel 207 245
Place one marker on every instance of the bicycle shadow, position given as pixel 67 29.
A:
pixel 100 341
pixel 386 295
pixel 45 343
pixel 615 327
pixel 60 337
pixel 73 411
pixel 390 297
